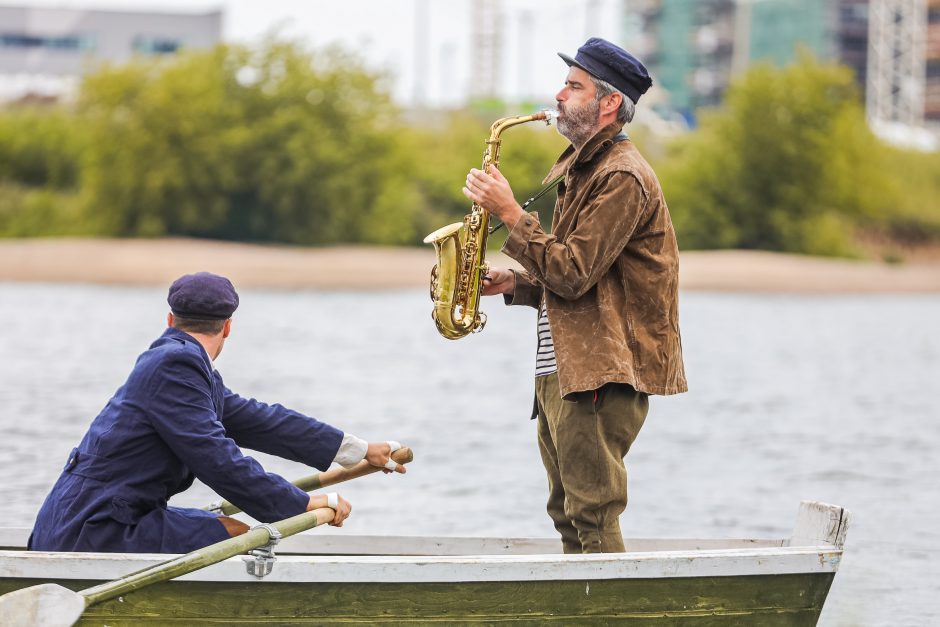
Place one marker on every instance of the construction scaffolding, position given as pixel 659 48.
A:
pixel 487 49
pixel 897 72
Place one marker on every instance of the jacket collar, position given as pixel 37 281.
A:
pixel 576 157
pixel 185 338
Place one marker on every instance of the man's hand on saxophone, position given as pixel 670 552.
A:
pixel 492 192
pixel 499 281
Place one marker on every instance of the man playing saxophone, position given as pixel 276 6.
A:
pixel 605 283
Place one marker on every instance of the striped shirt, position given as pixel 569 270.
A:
pixel 545 355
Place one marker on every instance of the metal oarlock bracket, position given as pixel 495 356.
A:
pixel 260 561
pixel 216 507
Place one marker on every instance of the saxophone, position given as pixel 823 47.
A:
pixel 457 278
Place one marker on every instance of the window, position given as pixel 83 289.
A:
pixel 149 45
pixel 60 42
pixel 933 68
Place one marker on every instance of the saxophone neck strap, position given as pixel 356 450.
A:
pixel 551 185
pixel 616 139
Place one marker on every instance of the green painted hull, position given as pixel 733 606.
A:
pixel 388 580
pixel 766 600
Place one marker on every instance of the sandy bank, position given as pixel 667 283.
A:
pixel 157 262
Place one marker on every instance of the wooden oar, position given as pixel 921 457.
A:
pixel 404 455
pixel 52 605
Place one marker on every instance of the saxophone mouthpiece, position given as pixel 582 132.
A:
pixel 550 114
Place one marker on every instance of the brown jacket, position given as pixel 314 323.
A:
pixel 610 271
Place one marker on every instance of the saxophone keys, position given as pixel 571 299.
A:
pixel 479 323
pixel 434 283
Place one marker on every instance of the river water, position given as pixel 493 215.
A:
pixel 792 397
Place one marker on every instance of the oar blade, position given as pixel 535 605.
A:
pixel 46 605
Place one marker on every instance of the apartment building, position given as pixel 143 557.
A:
pixel 45 50
pixel 695 47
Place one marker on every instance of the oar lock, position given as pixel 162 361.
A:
pixel 260 562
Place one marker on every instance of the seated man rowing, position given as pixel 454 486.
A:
pixel 174 420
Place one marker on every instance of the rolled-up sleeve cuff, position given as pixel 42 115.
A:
pixel 518 239
pixel 525 293
pixel 352 450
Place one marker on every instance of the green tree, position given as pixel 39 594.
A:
pixel 40 156
pixel 275 144
pixel 787 164
pixel 916 217
pixel 39 147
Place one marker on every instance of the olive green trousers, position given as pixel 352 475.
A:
pixel 583 442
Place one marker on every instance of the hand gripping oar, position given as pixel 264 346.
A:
pixel 404 455
pixel 51 605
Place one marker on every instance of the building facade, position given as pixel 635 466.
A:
pixel 932 86
pixel 695 47
pixel 46 50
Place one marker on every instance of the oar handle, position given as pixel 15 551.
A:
pixel 206 556
pixel 318 480
pixel 404 455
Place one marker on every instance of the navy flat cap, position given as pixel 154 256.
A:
pixel 203 296
pixel 611 63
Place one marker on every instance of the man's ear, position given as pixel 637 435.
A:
pixel 169 319
pixel 613 104
pixel 227 328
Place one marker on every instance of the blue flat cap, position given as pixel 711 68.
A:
pixel 611 63
pixel 203 296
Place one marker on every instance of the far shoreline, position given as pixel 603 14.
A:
pixel 138 262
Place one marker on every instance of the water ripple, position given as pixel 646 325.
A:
pixel 824 398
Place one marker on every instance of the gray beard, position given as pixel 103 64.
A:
pixel 578 125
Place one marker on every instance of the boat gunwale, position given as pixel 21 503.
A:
pixel 326 543
pixel 445 568
pixel 815 547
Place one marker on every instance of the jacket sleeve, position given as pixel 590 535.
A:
pixel 570 268
pixel 526 292
pixel 276 430
pixel 183 414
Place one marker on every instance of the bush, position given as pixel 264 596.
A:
pixel 788 164
pixel 40 147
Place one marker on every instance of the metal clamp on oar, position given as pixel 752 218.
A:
pixel 52 605
pixel 260 562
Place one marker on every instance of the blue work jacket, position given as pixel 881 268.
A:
pixel 171 421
